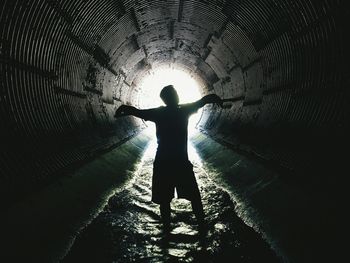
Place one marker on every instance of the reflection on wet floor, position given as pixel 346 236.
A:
pixel 129 228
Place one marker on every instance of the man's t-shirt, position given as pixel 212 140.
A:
pixel 171 127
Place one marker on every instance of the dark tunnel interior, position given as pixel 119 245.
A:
pixel 282 67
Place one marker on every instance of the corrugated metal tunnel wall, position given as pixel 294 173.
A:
pixel 67 65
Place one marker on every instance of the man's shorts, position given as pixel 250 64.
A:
pixel 170 175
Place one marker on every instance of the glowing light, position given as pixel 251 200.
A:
pixel 186 87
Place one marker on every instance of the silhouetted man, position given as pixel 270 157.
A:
pixel 171 168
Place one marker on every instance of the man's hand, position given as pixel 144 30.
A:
pixel 123 110
pixel 213 98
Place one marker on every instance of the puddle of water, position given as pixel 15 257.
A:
pixel 129 228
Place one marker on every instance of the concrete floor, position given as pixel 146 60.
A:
pixel 234 188
pixel 43 226
pixel 129 228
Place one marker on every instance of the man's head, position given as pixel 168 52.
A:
pixel 169 96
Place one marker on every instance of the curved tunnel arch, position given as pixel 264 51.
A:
pixel 67 65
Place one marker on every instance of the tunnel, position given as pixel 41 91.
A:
pixel 281 68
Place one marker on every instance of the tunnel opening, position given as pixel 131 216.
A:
pixel 281 67
pixel 187 87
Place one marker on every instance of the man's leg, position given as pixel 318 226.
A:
pixel 197 208
pixel 165 214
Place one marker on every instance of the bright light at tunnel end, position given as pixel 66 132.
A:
pixel 186 86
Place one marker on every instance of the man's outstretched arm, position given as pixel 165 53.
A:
pixel 125 110
pixel 211 98
pixel 194 106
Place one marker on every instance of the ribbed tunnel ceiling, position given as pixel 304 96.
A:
pixel 67 65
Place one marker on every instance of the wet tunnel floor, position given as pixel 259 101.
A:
pixel 129 228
